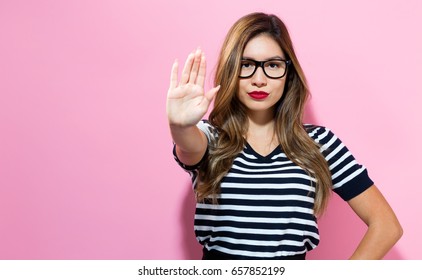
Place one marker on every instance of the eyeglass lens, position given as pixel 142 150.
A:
pixel 272 68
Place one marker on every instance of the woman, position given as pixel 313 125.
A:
pixel 261 177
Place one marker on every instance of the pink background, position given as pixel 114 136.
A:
pixel 86 170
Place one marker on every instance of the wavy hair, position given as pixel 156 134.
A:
pixel 229 116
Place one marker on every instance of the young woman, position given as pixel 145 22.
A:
pixel 261 177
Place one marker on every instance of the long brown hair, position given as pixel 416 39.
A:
pixel 230 119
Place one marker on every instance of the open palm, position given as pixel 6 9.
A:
pixel 187 102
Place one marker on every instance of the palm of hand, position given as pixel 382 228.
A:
pixel 187 102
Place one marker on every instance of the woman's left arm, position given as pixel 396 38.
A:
pixel 384 230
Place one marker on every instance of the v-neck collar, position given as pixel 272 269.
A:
pixel 259 156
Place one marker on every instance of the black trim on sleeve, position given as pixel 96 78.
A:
pixel 189 167
pixel 355 186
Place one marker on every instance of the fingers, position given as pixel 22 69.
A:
pixel 195 66
pixel 200 80
pixel 187 69
pixel 173 75
pixel 193 71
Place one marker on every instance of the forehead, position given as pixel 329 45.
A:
pixel 262 47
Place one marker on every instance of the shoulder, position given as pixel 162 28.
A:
pixel 325 138
pixel 349 177
pixel 320 134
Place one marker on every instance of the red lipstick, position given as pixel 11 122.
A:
pixel 258 94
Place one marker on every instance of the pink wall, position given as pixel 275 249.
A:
pixel 86 170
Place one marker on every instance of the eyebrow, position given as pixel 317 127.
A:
pixel 270 58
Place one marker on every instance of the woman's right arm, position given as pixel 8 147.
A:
pixel 187 103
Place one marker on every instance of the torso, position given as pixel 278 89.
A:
pixel 265 209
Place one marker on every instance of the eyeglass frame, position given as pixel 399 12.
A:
pixel 261 64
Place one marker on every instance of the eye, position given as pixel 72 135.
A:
pixel 247 64
pixel 274 64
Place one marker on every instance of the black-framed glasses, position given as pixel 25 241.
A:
pixel 273 68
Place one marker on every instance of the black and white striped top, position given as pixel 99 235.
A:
pixel 265 209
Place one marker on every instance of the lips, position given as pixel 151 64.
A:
pixel 258 94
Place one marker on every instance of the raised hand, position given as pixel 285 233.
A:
pixel 187 102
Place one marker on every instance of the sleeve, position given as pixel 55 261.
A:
pixel 349 177
pixel 210 133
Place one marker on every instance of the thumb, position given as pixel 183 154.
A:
pixel 211 93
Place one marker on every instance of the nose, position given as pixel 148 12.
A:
pixel 259 79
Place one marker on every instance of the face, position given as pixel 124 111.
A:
pixel 259 92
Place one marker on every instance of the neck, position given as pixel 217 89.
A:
pixel 260 124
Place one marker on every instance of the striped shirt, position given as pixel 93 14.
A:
pixel 265 208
